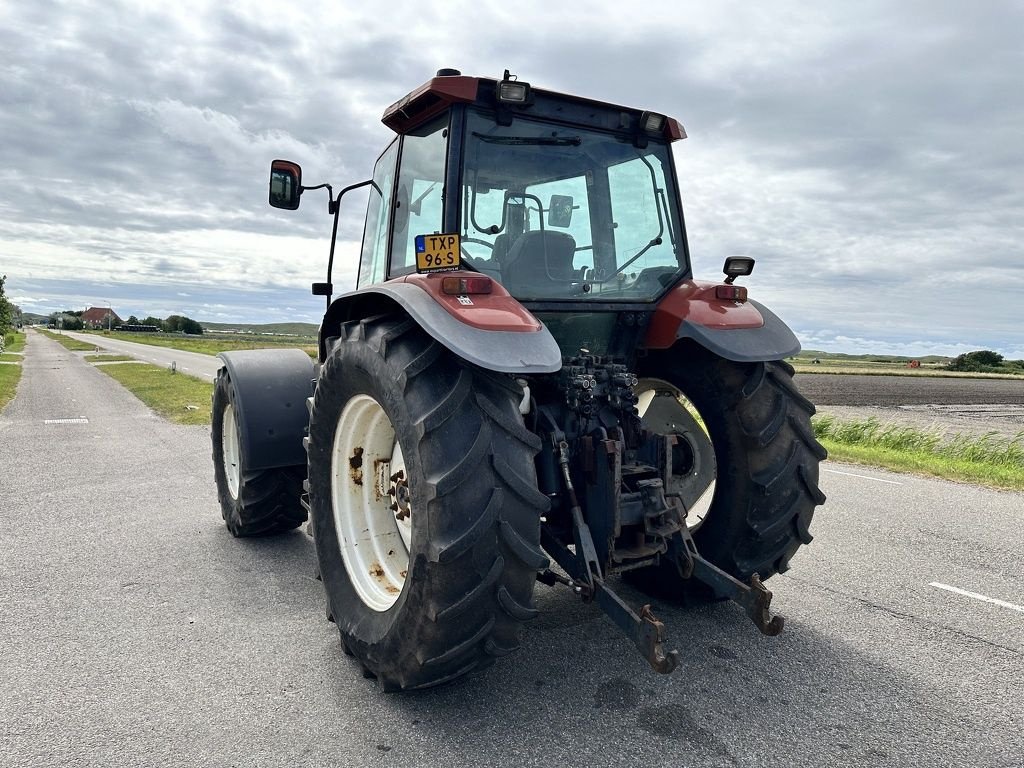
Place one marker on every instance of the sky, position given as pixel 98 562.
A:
pixel 868 155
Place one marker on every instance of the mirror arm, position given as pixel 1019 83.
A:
pixel 334 206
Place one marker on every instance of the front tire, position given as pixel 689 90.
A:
pixel 766 456
pixel 449 595
pixel 252 502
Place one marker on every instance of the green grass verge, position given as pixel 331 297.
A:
pixel 73 344
pixel 211 344
pixel 108 358
pixel 990 459
pixel 174 396
pixel 9 377
pixel 14 341
pixel 5 358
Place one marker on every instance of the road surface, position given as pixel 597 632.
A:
pixel 192 363
pixel 136 631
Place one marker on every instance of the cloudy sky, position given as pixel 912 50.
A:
pixel 868 155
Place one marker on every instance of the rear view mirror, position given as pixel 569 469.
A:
pixel 285 184
pixel 560 211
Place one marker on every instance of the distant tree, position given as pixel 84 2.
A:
pixel 132 320
pixel 191 327
pixel 979 361
pixel 6 310
pixel 182 324
pixel 66 321
pixel 153 321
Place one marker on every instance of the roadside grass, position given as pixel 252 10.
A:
pixel 108 358
pixel 14 341
pixel 9 377
pixel 989 459
pixel 6 358
pixel 179 398
pixel 68 343
pixel 211 344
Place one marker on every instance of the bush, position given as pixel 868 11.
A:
pixel 981 361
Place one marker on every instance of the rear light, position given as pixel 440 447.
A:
pixel 731 292
pixel 465 286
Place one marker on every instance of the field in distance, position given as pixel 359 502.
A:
pixel 815 361
pixel 307 330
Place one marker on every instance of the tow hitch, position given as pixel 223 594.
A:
pixel 587 578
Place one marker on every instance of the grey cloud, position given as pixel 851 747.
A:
pixel 862 153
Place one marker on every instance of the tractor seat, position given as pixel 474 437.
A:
pixel 539 263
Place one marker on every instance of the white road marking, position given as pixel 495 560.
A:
pixel 976 596
pixel 862 477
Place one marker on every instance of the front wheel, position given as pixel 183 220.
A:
pixel 425 509
pixel 252 502
pixel 766 466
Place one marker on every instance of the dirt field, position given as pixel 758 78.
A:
pixel 952 405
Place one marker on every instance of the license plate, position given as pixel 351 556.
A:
pixel 437 253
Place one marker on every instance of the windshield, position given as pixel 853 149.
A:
pixel 566 213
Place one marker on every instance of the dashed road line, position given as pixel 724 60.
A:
pixel 977 596
pixel 862 477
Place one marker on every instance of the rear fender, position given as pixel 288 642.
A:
pixel 744 332
pixel 492 331
pixel 271 387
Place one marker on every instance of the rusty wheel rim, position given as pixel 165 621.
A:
pixel 370 502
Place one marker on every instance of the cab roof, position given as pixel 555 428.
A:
pixel 439 93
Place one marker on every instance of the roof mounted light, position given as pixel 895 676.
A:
pixel 511 91
pixel 652 122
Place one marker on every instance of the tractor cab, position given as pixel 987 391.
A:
pixel 569 204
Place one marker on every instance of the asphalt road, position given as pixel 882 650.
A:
pixel 192 363
pixel 136 631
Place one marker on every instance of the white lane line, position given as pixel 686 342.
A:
pixel 862 477
pixel 976 596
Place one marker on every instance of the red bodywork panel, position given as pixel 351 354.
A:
pixel 431 98
pixel 696 302
pixel 494 311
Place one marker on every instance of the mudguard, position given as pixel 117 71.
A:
pixel 271 387
pixel 744 332
pixel 494 331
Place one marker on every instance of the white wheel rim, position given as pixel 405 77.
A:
pixel 230 451
pixel 369 492
pixel 647 390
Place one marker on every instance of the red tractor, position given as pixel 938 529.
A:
pixel 527 372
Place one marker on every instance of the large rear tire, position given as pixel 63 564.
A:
pixel 766 456
pixel 252 502
pixel 428 568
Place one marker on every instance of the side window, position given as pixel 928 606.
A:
pixel 420 198
pixel 638 207
pixel 373 255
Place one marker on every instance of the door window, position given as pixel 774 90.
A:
pixel 373 256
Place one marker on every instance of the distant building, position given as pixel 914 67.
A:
pixel 100 317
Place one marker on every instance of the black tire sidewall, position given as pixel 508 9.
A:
pixel 223 396
pixel 364 369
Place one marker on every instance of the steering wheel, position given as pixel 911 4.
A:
pixel 466 255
